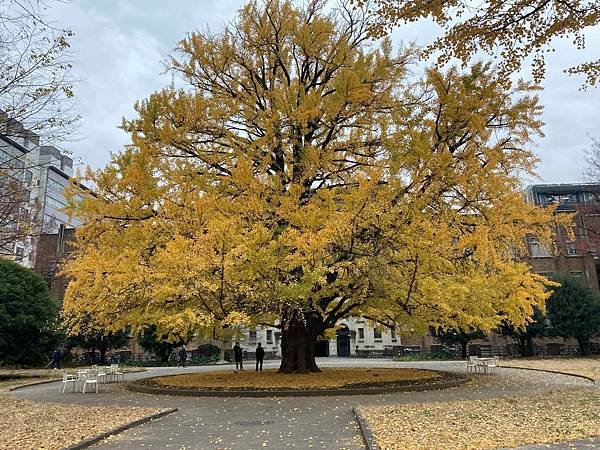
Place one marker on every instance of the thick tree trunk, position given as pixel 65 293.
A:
pixel 583 346
pixel 298 340
pixel 463 350
pixel 525 346
pixel 102 355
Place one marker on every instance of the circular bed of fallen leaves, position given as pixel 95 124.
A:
pixel 330 378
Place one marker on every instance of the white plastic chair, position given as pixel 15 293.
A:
pixel 472 364
pixel 67 379
pixel 101 375
pixel 116 374
pixel 492 363
pixel 90 378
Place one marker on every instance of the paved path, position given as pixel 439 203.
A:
pixel 280 423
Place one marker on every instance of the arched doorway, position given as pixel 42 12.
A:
pixel 343 341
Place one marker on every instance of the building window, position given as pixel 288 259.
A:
pixel 393 333
pixel 577 274
pixel 571 249
pixel 269 336
pixel 56 204
pixel 252 335
pixel 19 252
pixel 377 334
pixel 546 274
pixel 537 250
pixel 361 333
pixel 28 176
pixel 55 186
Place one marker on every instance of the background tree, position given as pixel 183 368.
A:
pixel 458 336
pixel 592 159
pixel 162 345
pixel 574 311
pixel 537 327
pixel 36 92
pixel 298 178
pixel 27 316
pixel 19 218
pixel 84 332
pixel 36 100
pixel 512 31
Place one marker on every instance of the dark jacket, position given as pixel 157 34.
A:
pixel 237 352
pixel 260 353
pixel 182 354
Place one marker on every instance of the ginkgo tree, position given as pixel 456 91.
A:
pixel 516 32
pixel 299 176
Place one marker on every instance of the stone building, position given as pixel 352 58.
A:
pixel 353 336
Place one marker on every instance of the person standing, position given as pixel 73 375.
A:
pixel 260 355
pixel 182 357
pixel 56 357
pixel 237 356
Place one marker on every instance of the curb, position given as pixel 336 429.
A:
pixel 35 383
pixel 365 431
pixel 136 387
pixel 551 371
pixel 99 437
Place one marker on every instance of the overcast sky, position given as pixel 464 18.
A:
pixel 119 47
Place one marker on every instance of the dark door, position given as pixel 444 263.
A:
pixel 322 348
pixel 343 344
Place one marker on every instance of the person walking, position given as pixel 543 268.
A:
pixel 56 357
pixel 237 356
pixel 182 357
pixel 260 355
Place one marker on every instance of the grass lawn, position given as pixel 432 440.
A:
pixel 589 367
pixel 487 424
pixel 271 379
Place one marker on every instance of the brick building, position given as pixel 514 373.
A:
pixel 578 256
pixel 52 250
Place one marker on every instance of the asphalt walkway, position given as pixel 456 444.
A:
pixel 280 423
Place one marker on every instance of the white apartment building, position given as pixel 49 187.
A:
pixel 44 173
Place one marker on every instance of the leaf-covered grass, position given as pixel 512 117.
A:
pixel 487 424
pixel 271 379
pixel 26 425
pixel 589 367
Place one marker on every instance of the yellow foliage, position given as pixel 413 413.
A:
pixel 300 170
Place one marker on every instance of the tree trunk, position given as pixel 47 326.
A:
pixel 525 346
pixel 299 335
pixel 102 355
pixel 463 350
pixel 583 346
pixel 222 345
